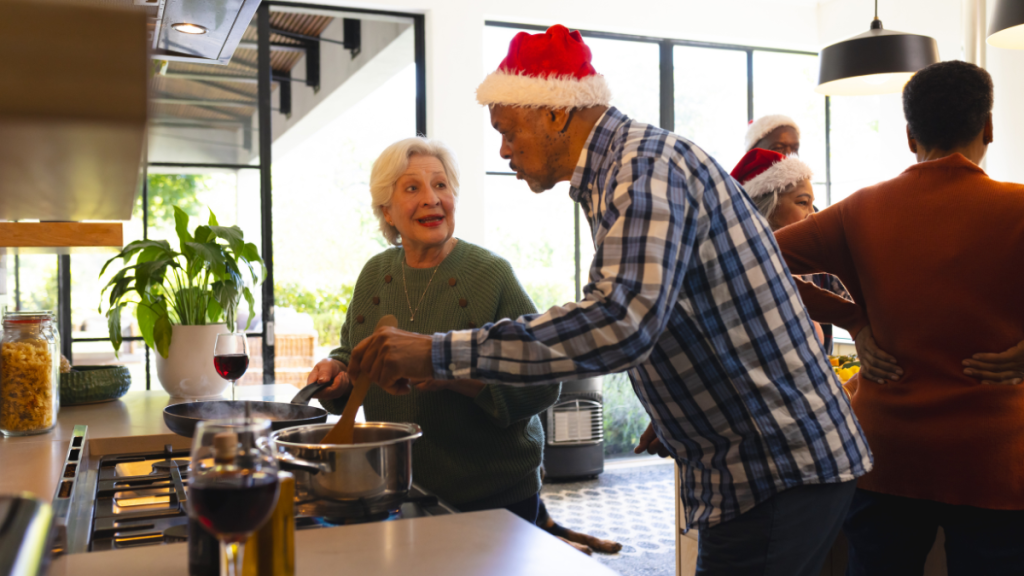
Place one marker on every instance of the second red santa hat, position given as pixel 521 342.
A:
pixel 763 171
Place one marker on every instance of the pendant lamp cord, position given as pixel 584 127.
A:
pixel 876 9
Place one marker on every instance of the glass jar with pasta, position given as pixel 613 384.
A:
pixel 29 373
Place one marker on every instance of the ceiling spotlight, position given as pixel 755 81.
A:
pixel 187 28
pixel 878 61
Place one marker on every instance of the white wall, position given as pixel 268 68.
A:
pixel 454 35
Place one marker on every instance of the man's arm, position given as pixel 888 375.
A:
pixel 817 245
pixel 648 236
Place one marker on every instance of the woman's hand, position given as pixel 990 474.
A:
pixel 1002 368
pixel 875 363
pixel 333 371
pixel 650 443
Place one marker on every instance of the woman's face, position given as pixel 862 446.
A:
pixel 423 205
pixel 795 204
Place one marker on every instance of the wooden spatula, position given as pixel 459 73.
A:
pixel 344 431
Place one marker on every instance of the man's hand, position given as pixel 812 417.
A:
pixel 650 443
pixel 1003 368
pixel 392 358
pixel 875 363
pixel 333 371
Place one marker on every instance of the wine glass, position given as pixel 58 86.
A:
pixel 231 357
pixel 232 483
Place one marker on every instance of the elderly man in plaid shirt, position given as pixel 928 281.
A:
pixel 689 293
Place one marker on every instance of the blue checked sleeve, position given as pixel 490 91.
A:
pixel 644 242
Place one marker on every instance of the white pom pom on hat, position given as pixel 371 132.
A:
pixel 764 125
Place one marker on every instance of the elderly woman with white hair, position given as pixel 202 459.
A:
pixel 482 444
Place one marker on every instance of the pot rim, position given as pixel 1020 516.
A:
pixel 413 431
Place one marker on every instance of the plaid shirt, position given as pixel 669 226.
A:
pixel 689 293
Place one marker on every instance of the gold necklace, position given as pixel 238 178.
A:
pixel 405 287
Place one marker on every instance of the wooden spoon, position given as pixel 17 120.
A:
pixel 344 431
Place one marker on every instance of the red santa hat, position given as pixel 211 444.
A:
pixel 765 172
pixel 764 125
pixel 550 70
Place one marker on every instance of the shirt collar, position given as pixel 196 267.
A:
pixel 953 161
pixel 595 150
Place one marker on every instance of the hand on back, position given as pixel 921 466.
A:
pixel 1002 368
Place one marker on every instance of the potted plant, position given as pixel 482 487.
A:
pixel 184 298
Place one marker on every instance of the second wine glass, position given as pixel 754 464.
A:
pixel 231 357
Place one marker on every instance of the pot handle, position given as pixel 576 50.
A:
pixel 288 462
pixel 306 394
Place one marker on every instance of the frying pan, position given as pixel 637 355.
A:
pixel 182 418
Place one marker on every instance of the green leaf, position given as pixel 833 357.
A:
pixel 213 220
pixel 147 273
pixel 181 227
pixel 148 310
pixel 209 252
pixel 128 251
pixel 252 302
pixel 214 311
pixel 162 335
pixel 203 234
pixel 251 255
pixel 114 328
pixel 233 235
pixel 119 290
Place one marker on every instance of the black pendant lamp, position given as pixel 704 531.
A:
pixel 878 61
pixel 1007 28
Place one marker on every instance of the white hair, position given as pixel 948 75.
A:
pixel 391 164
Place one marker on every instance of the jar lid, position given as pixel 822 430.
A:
pixel 28 317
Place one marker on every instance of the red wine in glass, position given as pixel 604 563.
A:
pixel 231 358
pixel 231 366
pixel 233 506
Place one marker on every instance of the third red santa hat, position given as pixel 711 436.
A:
pixel 764 125
pixel 549 70
pixel 763 172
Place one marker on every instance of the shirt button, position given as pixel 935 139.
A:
pixel 387 278
pixel 463 303
pixel 360 319
pixel 452 282
pixel 376 300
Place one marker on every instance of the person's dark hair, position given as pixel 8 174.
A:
pixel 947 104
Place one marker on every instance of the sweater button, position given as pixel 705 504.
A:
pixel 360 319
pixel 387 278
pixel 376 300
pixel 463 303
pixel 472 324
pixel 452 282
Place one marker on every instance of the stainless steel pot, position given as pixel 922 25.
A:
pixel 367 478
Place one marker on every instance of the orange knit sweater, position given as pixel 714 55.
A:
pixel 934 260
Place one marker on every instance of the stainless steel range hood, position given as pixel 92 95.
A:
pixel 205 31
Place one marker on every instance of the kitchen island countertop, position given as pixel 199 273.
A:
pixel 492 543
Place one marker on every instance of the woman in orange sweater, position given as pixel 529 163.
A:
pixel 934 260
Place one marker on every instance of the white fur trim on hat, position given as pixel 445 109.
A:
pixel 780 176
pixel 764 125
pixel 510 89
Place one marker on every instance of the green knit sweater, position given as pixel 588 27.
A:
pixel 476 453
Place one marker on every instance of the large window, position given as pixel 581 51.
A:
pixel 705 92
pixel 339 86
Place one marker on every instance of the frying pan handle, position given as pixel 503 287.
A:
pixel 306 394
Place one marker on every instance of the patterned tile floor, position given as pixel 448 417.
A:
pixel 634 506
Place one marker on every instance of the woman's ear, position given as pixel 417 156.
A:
pixel 387 215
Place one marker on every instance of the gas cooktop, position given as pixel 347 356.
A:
pixel 117 500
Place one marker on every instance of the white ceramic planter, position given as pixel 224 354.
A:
pixel 188 370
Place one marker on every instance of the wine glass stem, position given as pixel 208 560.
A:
pixel 235 554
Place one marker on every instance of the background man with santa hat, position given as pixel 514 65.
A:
pixel 689 293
